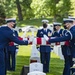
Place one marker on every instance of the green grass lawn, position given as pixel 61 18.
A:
pixel 56 65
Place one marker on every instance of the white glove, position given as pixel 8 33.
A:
pixel 31 38
pixel 46 37
pixel 25 39
pixel 16 51
pixel 38 49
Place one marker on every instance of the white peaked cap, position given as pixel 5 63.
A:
pixel 57 23
pixel 70 17
pixel 45 21
pixel 10 19
pixel 67 19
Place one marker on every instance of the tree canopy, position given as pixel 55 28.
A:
pixel 28 9
pixel 2 15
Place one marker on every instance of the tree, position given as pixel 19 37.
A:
pixel 19 10
pixel 2 15
pixel 10 8
pixel 38 8
pixel 58 8
pixel 55 8
pixel 26 9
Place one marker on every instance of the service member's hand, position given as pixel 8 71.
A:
pixel 46 38
pixel 31 38
pixel 25 39
pixel 16 51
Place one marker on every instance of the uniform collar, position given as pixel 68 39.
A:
pixel 58 31
pixel 45 29
pixel 71 27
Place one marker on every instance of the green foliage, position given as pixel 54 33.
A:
pixel 27 12
pixel 2 15
pixel 72 12
pixel 66 7
pixel 10 8
pixel 26 3
pixel 39 8
pixel 26 9
pixel 58 8
pixel 55 8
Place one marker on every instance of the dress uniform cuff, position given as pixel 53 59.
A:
pixel 17 47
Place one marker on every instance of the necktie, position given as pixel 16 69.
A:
pixel 45 30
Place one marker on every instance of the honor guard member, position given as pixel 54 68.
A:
pixel 57 29
pixel 7 35
pixel 66 51
pixel 45 49
pixel 73 69
pixel 65 48
pixel 11 49
pixel 70 35
pixel 5 54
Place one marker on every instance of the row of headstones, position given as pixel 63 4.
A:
pixel 57 50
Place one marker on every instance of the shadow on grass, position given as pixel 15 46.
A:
pixel 56 65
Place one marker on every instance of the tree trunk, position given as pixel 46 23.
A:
pixel 19 10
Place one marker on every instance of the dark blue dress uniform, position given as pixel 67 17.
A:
pixel 65 49
pixel 44 50
pixel 11 49
pixel 66 53
pixel 57 34
pixel 70 35
pixel 57 31
pixel 7 35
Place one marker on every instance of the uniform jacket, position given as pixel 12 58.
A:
pixel 7 35
pixel 70 35
pixel 40 34
pixel 12 46
pixel 65 48
pixel 57 34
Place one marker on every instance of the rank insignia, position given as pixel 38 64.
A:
pixel 41 32
pixel 13 34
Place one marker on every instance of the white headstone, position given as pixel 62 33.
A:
pixel 36 67
pixel 34 51
pixel 36 73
